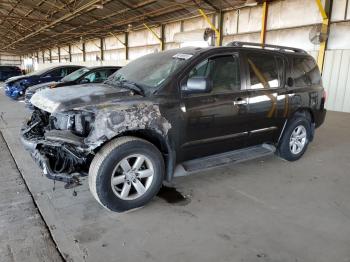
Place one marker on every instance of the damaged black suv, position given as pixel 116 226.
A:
pixel 173 113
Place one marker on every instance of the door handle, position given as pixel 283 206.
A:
pixel 239 101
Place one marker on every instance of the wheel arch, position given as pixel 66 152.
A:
pixel 162 143
pixel 304 112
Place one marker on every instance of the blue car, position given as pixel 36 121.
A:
pixel 15 87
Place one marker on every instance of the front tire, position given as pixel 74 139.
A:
pixel 295 139
pixel 126 173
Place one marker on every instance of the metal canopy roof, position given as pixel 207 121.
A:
pixel 29 25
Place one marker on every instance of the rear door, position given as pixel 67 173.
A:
pixel 215 121
pixel 267 96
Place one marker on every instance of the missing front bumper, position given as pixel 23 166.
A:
pixel 71 179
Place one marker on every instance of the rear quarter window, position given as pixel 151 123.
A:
pixel 305 71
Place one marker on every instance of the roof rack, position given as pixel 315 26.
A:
pixel 270 47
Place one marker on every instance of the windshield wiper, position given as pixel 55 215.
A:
pixel 129 85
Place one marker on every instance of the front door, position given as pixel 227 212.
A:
pixel 215 120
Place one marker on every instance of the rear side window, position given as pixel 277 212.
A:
pixel 305 71
pixel 265 71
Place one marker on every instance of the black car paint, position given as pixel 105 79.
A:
pixel 33 89
pixel 184 126
pixel 7 71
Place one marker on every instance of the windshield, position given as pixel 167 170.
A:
pixel 150 71
pixel 75 75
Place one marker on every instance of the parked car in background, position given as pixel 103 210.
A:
pixel 7 71
pixel 15 86
pixel 97 74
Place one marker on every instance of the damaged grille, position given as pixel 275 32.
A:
pixel 77 122
pixel 59 137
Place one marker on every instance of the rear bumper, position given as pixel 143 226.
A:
pixel 320 117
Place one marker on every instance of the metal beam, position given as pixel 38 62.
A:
pixel 221 24
pixel 126 46
pixel 264 16
pixel 101 49
pixel 325 13
pixel 120 41
pixel 159 38
pixel 162 36
pixel 70 53
pixel 67 16
pixel 217 32
pixel 84 52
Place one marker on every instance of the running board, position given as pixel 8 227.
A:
pixel 231 157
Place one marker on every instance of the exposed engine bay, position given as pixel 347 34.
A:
pixel 57 140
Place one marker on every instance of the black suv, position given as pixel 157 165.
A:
pixel 174 113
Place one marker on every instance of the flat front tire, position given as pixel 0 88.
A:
pixel 126 173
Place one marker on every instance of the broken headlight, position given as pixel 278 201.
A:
pixel 79 122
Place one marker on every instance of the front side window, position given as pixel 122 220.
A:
pixel 264 71
pixel 223 71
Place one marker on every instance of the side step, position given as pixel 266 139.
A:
pixel 236 156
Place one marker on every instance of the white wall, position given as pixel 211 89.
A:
pixel 10 59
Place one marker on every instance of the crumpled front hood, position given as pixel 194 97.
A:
pixel 70 97
pixel 15 78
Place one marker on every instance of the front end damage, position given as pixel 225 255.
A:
pixel 55 141
pixel 64 143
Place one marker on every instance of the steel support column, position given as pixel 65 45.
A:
pixel 59 54
pixel 126 46
pixel 84 52
pixel 217 32
pixel 101 49
pixel 70 53
pixel 325 13
pixel 263 23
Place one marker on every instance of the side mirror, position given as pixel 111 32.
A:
pixel 290 81
pixel 197 84
pixel 85 81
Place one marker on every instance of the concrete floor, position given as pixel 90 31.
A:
pixel 262 210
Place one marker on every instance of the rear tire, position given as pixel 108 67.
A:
pixel 126 173
pixel 295 138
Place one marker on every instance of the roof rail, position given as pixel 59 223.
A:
pixel 270 47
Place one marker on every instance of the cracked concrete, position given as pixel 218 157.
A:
pixel 262 210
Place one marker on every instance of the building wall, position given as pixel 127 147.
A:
pixel 10 59
pixel 289 23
